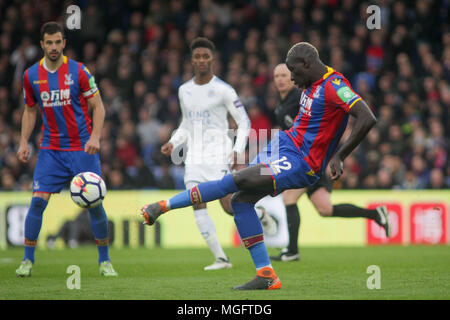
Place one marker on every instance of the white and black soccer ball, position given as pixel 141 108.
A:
pixel 87 189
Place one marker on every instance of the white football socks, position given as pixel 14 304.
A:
pixel 208 231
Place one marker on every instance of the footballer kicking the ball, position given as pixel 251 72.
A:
pixel 296 158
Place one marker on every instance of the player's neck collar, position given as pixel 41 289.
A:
pixel 328 73
pixel 43 63
pixel 202 84
pixel 325 76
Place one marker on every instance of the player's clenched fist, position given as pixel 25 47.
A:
pixel 336 168
pixel 167 148
pixel 23 153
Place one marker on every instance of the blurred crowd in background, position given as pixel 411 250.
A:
pixel 138 52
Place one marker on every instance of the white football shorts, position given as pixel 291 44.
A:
pixel 197 173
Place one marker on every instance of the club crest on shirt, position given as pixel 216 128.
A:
pixel 68 80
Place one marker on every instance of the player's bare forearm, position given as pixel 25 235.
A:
pixel 28 123
pixel 98 117
pixel 365 120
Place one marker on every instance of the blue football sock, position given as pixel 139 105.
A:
pixel 251 232
pixel 203 192
pixel 99 224
pixel 33 223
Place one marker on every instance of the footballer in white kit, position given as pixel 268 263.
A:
pixel 205 101
pixel 205 129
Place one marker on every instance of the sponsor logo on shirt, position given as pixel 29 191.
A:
pixel 39 81
pixel 305 104
pixel 56 98
pixel 317 92
pixel 202 116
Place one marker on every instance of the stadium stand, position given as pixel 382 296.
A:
pixel 138 52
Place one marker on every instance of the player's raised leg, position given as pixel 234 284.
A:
pixel 251 178
pixel 321 198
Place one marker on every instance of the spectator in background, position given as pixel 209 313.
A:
pixel 165 179
pixel 147 129
pixel 437 180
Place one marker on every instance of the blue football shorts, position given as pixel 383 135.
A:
pixel 55 169
pixel 286 165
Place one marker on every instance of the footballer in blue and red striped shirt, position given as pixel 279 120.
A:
pixel 322 118
pixel 62 97
pixel 296 158
pixel 63 90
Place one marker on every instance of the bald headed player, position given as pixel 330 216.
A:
pixel 296 158
pixel 320 192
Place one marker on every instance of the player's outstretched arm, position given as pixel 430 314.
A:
pixel 28 122
pixel 98 117
pixel 365 120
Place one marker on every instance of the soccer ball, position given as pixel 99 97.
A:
pixel 87 189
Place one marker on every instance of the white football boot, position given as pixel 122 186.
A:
pixel 220 263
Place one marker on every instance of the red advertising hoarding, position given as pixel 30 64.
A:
pixel 428 223
pixel 376 234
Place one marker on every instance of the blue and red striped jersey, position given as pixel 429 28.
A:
pixel 322 118
pixel 62 97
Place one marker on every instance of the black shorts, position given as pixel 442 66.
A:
pixel 324 182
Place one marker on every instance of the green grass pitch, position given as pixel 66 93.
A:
pixel 324 273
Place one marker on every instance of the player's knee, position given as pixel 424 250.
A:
pixel 241 181
pixel 199 206
pixel 288 200
pixel 236 197
pixel 97 213
pixel 242 196
pixel 42 195
pixel 325 211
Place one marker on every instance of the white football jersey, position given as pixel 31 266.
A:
pixel 204 126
